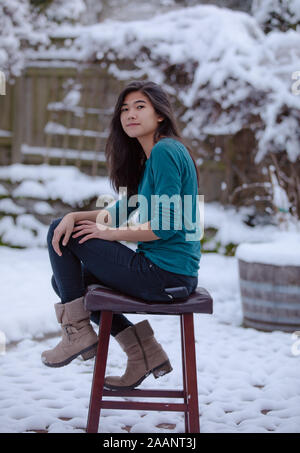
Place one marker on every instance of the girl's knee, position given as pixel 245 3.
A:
pixel 51 229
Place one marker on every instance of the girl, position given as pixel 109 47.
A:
pixel 145 154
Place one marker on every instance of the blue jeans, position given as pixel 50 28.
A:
pixel 112 264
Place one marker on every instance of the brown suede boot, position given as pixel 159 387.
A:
pixel 145 356
pixel 78 336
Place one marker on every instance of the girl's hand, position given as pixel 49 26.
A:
pixel 65 227
pixel 92 230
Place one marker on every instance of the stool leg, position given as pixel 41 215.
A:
pixel 190 373
pixel 99 372
pixel 184 373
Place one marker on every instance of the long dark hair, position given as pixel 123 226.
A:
pixel 125 155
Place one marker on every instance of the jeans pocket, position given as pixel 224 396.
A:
pixel 156 272
pixel 170 279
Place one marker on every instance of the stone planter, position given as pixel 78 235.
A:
pixel 270 291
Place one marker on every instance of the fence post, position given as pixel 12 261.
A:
pixel 18 119
pixel 2 84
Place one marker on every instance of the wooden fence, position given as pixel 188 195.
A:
pixel 60 116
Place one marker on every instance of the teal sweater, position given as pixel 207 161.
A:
pixel 167 196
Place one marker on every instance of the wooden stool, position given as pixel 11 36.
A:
pixel 109 301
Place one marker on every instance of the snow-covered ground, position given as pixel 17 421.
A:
pixel 248 381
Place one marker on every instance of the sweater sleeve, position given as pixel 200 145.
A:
pixel 120 212
pixel 166 206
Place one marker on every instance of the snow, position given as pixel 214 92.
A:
pixel 9 207
pixel 231 227
pixel 67 153
pixel 42 207
pixel 56 128
pixel 26 232
pixel 3 190
pixel 4 133
pixel 49 182
pixel 31 189
pixel 284 251
pixel 286 10
pixel 62 10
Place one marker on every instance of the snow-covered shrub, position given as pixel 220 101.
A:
pixel 277 14
pixel 62 11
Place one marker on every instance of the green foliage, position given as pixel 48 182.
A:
pixel 40 5
pixel 209 244
pixel 230 249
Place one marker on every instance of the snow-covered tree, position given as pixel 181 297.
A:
pixel 25 23
pixel 17 30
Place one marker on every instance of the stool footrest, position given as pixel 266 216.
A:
pixel 134 405
pixel 147 393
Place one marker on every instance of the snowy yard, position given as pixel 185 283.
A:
pixel 248 381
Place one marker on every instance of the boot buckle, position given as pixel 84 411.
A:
pixel 69 329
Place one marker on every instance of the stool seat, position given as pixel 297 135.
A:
pixel 102 298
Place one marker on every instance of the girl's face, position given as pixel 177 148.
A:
pixel 138 117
